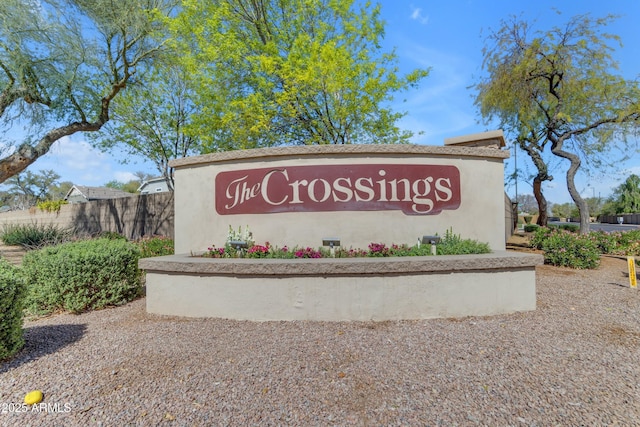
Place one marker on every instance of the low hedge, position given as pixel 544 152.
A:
pixel 80 276
pixel 564 248
pixel 12 293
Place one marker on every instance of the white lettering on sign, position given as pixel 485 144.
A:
pixel 309 188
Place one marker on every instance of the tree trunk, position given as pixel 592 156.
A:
pixel 533 150
pixel 556 149
pixel 543 218
pixel 27 154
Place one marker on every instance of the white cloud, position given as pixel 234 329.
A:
pixel 417 15
pixel 78 155
pixel 124 176
pixel 75 160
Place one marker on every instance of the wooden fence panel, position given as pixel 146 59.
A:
pixel 133 217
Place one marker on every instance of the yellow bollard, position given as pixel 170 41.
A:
pixel 632 272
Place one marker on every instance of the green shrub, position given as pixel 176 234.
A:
pixel 152 246
pixel 453 244
pixel 539 236
pixel 111 235
pixel 12 294
pixel 34 236
pixel 529 228
pixel 565 249
pixel 450 244
pixel 574 228
pixel 80 276
pixel 626 243
pixel 51 206
pixel 606 242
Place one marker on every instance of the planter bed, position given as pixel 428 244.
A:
pixel 329 289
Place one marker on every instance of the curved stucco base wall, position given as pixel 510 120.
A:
pixel 480 215
pixel 341 289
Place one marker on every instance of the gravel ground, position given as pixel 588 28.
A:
pixel 574 361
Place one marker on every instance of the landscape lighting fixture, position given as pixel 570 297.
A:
pixel 239 244
pixel 331 242
pixel 433 240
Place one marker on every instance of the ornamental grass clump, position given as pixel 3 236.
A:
pixel 34 235
pixel 81 276
pixel 12 294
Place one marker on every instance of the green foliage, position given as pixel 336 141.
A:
pixel 111 235
pixel 564 210
pixel 152 246
pixel 59 190
pixel 565 249
pixel 531 227
pixel 606 242
pixel 63 62
pixel 34 235
pixel 129 186
pixel 453 244
pixel 80 276
pixel 12 294
pixel 609 207
pixel 626 197
pixel 574 228
pixel 556 89
pixel 289 72
pixel 27 189
pixel 450 244
pixel 51 206
pixel 152 120
pixel 625 243
pixel 539 236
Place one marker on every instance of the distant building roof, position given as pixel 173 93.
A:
pixel 160 180
pixel 96 193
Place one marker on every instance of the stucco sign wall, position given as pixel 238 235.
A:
pixel 412 189
pixel 299 196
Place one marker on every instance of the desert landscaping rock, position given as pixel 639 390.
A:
pixel 573 361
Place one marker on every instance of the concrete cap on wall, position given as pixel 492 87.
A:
pixel 494 138
pixel 378 150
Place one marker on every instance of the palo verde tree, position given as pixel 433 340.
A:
pixel 558 89
pixel 289 72
pixel 62 63
pixel 531 144
pixel 151 118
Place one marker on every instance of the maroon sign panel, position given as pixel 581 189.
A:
pixel 413 189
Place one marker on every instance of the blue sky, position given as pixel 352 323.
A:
pixel 448 37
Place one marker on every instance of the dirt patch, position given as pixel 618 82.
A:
pixel 612 270
pixel 621 335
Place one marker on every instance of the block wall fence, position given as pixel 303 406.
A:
pixel 133 217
